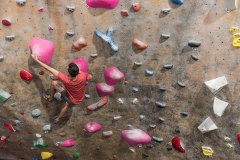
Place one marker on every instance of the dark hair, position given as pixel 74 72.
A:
pixel 73 69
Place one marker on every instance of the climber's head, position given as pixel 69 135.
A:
pixel 73 69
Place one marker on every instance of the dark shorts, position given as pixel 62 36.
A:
pixel 66 98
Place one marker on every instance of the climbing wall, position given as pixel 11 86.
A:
pixel 205 21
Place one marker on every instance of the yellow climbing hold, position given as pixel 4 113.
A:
pixel 233 30
pixel 207 151
pixel 236 40
pixel 46 155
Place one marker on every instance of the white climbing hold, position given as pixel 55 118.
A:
pixel 1 58
pixel 207 125
pixel 10 37
pixel 71 8
pixel 117 118
pixel 217 84
pixel 120 100
pixel 47 128
pixel 166 10
pixel 219 106
pixel 70 33
pixel 135 101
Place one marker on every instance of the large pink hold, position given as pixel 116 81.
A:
pixel 104 90
pixel 108 4
pixel 92 127
pixel 68 143
pixel 113 75
pixel 82 64
pixel 135 137
pixel 43 48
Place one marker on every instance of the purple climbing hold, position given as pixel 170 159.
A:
pixel 113 75
pixel 104 90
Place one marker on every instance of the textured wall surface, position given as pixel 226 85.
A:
pixel 203 20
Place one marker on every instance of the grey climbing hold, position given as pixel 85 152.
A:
pixel 10 38
pixel 58 96
pixel 193 43
pixel 165 36
pixel 141 117
pixel 162 88
pixel 1 58
pixel 87 96
pixel 168 66
pixel 185 114
pixel 135 89
pixel 181 84
pixel 169 146
pixel 14 104
pixel 152 126
pixel 166 10
pixel 94 55
pixel 36 113
pixel 160 104
pixel 157 139
pixel 47 128
pixel 21 2
pixel 194 57
pixel 150 145
pixel 71 8
pixel 108 38
pixel 149 72
pixel 161 119
pixel 138 63
pixel 70 33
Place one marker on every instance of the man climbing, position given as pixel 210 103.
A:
pixel 74 83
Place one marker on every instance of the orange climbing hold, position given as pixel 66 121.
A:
pixel 139 44
pixel 136 6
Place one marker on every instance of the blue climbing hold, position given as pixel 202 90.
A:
pixel 177 2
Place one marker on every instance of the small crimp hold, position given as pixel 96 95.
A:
pixel 157 139
pixel 165 36
pixel 194 57
pixel 160 104
pixel 193 43
pixel 166 10
pixel 70 33
pixel 168 66
pixel 21 2
pixel 149 72
pixel 71 8
pixel 10 38
pixel 181 84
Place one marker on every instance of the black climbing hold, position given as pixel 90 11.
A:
pixel 166 10
pixel 149 72
pixel 165 36
pixel 160 104
pixel 177 131
pixel 161 119
pixel 21 2
pixel 135 89
pixel 70 33
pixel 10 38
pixel 168 66
pixel 162 88
pixel 194 57
pixel 193 43
pixel 181 84
pixel 71 8
pixel 157 139
pixel 185 114
pixel 145 155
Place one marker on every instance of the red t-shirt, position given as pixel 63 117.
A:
pixel 75 88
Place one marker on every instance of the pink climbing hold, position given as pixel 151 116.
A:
pixel 135 137
pixel 43 48
pixel 113 75
pixel 26 75
pixel 104 90
pixel 108 4
pixel 82 64
pixel 41 9
pixel 68 143
pixel 80 43
pixel 6 22
pixel 92 127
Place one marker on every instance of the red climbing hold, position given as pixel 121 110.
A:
pixel 3 139
pixel 238 137
pixel 6 22
pixel 9 126
pixel 41 9
pixel 80 43
pixel 176 143
pixel 26 75
pixel 41 72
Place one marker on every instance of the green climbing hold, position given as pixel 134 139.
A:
pixel 76 155
pixel 40 143
pixel 4 95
